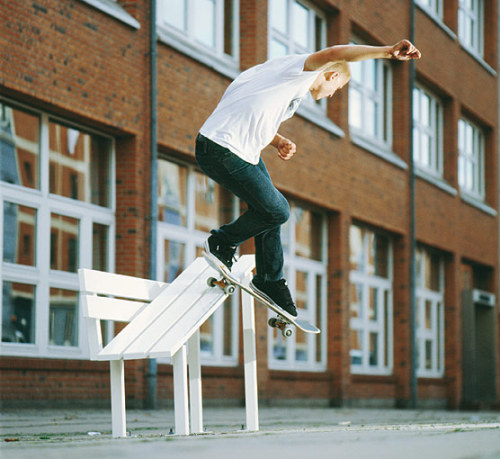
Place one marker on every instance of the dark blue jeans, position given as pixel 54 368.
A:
pixel 267 207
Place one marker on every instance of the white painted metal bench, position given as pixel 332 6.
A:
pixel 164 321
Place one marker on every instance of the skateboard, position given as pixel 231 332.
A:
pixel 283 321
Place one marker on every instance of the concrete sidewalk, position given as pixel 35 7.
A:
pixel 287 432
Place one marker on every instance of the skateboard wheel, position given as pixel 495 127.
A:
pixel 287 332
pixel 230 289
pixel 211 281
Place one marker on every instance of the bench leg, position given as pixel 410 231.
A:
pixel 118 414
pixel 179 361
pixel 250 360
pixel 195 397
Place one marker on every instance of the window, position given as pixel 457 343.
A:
pixel 304 247
pixel 471 25
pixel 190 205
pixel 370 302
pixel 427 132
pixel 369 102
pixel 57 216
pixel 296 28
pixel 435 7
pixel 471 177
pixel 430 313
pixel 198 27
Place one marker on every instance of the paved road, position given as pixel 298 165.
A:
pixel 284 433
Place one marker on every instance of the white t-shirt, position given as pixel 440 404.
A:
pixel 256 103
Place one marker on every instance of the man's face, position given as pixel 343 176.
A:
pixel 326 84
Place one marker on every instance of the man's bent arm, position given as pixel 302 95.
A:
pixel 403 50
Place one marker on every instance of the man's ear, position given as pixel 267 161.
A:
pixel 330 76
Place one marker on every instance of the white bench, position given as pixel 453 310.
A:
pixel 164 321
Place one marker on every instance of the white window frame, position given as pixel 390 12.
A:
pixel 315 108
pixel 433 7
pixel 313 268
pixel 434 131
pixel 382 96
pixel 365 325
pixel 474 158
pixel 185 41
pixel 40 275
pixel 193 239
pixel 475 42
pixel 436 333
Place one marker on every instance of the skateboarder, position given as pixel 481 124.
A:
pixel 246 120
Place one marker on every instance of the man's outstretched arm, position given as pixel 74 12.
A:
pixel 402 51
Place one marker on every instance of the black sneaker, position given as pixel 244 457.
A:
pixel 222 252
pixel 277 293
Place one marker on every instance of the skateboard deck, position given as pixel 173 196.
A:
pixel 282 321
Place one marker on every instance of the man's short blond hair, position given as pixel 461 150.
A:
pixel 342 68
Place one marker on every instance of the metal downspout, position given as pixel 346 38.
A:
pixel 151 401
pixel 413 242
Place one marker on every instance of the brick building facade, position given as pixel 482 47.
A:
pixel 75 123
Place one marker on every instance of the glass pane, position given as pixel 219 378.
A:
pixel 80 165
pixel 370 117
pixel 204 22
pixel 301 291
pixel 308 229
pixel 229 20
pixel 356 72
pixel 279 347
pixel 356 338
pixel 370 74
pixel 100 245
pixel 63 317
pixel 227 328
pixel 175 13
pixel 387 308
pixel 19 147
pixel 207 336
pixel 300 25
pixel 356 248
pixel 428 315
pixel 213 205
pixel 174 262
pixel 373 305
pixel 172 193
pixel 278 15
pixel 301 347
pixel 378 255
pixel 425 112
pixel 356 301
pixel 373 351
pixel 432 272
pixel 278 49
pixel 428 354
pixel 19 234
pixel 319 316
pixel 18 313
pixel 64 243
pixel 355 110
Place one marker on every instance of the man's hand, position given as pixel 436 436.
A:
pixel 286 148
pixel 404 51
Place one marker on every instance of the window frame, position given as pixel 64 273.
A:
pixel 436 333
pixel 194 239
pixel 476 157
pixel 382 140
pixel 185 41
pixel 41 275
pixel 475 43
pixel 314 268
pixel 383 322
pixel 435 131
pixel 308 107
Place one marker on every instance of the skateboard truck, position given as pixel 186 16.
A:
pixel 228 288
pixel 277 322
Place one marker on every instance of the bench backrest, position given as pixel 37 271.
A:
pixel 116 297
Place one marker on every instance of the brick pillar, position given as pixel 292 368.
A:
pixel 253 32
pixel 338 360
